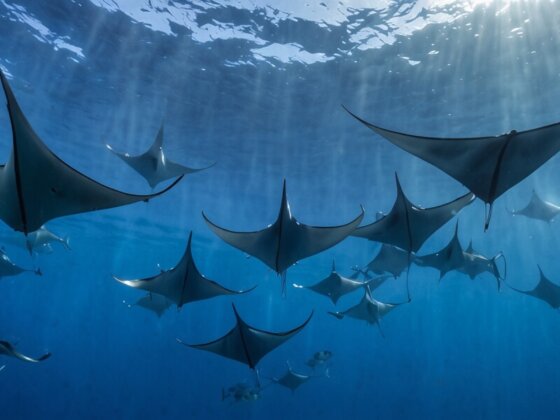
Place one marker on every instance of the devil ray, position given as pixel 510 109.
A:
pixel 37 186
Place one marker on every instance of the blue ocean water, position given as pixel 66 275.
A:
pixel 257 87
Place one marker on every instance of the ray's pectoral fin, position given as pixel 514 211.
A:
pixel 259 243
pixel 488 166
pixel 38 186
pixel 286 241
pixel 314 239
pixel 9 350
pixel 247 344
pixel 183 283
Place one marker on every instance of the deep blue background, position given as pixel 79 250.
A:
pixel 459 350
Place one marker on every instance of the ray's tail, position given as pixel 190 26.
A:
pixel 407 275
pixel 283 279
pixel 500 277
pixel 487 215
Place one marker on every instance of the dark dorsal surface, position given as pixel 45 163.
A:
pixel 286 241
pixel 487 166
pixel 182 283
pixel 390 259
pixel 37 186
pixel 408 226
pixel 247 344
pixel 450 258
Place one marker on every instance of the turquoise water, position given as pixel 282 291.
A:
pixel 259 91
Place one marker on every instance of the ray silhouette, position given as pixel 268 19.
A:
pixel 247 344
pixel 335 286
pixel 545 290
pixel 357 272
pixel 37 186
pixel 475 264
pixel 154 303
pixel 368 309
pixel 154 165
pixel 286 241
pixel 41 240
pixel 293 380
pixel 8 268
pixel 408 226
pixel 8 349
pixel 389 259
pixel 449 258
pixel 183 283
pixel 487 166
pixel 538 209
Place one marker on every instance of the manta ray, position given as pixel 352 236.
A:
pixel 154 303
pixel 368 309
pixel 357 272
pixel 335 286
pixel 182 283
pixel 8 349
pixel 449 258
pixel 247 344
pixel 37 186
pixel 454 258
pixel 389 259
pixel 8 268
pixel 476 263
pixel 488 166
pixel 42 239
pixel 293 380
pixel 286 241
pixel 153 165
pixel 545 290
pixel 538 209
pixel 408 226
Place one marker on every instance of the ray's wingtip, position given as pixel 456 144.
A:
pixel 178 340
pixel 206 218
pixel 122 281
pixel 168 187
pixel 242 292
pixel 308 318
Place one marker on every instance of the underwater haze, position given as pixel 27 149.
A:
pixel 257 87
